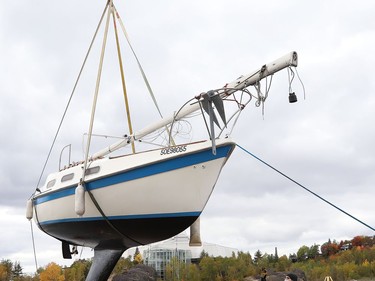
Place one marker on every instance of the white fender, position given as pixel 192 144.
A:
pixel 79 198
pixel 29 209
pixel 195 233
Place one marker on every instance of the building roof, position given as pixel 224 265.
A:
pixel 181 242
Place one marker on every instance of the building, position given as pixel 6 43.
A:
pixel 177 249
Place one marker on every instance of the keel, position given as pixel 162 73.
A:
pixel 103 263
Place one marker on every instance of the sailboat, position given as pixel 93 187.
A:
pixel 111 203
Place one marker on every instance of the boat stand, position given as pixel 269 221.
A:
pixel 103 263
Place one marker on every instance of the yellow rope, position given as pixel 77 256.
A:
pixel 142 71
pixel 123 79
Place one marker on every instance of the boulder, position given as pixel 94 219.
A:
pixel 139 272
pixel 280 276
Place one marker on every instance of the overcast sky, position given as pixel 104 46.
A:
pixel 325 142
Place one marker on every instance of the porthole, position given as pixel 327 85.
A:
pixel 51 183
pixel 92 170
pixel 67 177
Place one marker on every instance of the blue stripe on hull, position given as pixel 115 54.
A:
pixel 129 217
pixel 144 171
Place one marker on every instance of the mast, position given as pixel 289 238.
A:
pixel 288 60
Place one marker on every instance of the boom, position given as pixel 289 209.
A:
pixel 290 59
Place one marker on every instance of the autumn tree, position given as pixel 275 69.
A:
pixel 357 241
pixel 329 248
pixel 3 272
pixel 52 272
pixel 137 258
pixel 10 270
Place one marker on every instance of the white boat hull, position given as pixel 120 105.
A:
pixel 138 199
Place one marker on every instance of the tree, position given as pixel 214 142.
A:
pixel 283 263
pixel 6 267
pixel 246 257
pixel 313 252
pixel 3 272
pixel 17 271
pixel 52 272
pixel 257 256
pixel 208 269
pixel 329 248
pixel 303 253
pixel 192 273
pixel 357 241
pixel 78 271
pixel 137 258
pixel 122 265
pixel 203 254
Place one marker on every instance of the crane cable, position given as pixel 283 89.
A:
pixel 305 188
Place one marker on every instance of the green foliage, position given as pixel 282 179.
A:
pixel 303 253
pixel 122 265
pixel 78 270
pixel 10 271
pixel 358 262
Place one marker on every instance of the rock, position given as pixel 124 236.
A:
pixel 249 278
pixel 280 276
pixel 139 272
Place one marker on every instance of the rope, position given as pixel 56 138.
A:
pixel 107 220
pixel 128 115
pixel 305 188
pixel 142 71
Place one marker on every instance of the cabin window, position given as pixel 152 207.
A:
pixel 51 183
pixel 67 177
pixel 92 170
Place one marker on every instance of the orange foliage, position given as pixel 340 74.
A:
pixel 3 272
pixel 53 272
pixel 357 241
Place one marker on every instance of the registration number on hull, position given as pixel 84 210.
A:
pixel 174 149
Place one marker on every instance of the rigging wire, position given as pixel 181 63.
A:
pixel 32 238
pixel 291 76
pixel 170 139
pixel 305 188
pixel 300 80
pixel 140 68
pixel 138 62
